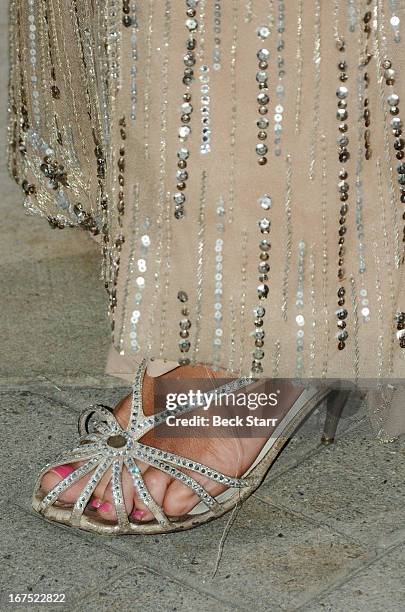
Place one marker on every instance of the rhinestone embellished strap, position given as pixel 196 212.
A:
pixel 118 496
pixel 87 492
pixel 140 428
pixel 136 403
pixel 195 466
pixel 64 484
pixel 143 492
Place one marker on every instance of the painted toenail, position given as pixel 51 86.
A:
pixel 95 503
pixel 63 470
pixel 105 507
pixel 138 514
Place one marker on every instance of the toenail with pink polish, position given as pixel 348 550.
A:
pixel 138 514
pixel 105 507
pixel 63 470
pixel 95 503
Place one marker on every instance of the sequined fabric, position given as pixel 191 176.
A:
pixel 242 165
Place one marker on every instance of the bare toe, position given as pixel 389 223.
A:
pixel 52 478
pixel 106 509
pixel 179 499
pixel 157 484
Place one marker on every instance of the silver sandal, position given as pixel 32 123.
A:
pixel 104 444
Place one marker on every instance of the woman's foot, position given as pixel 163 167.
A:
pixel 229 455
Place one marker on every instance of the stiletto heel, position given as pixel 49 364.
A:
pixel 336 401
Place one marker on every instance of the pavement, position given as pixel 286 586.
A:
pixel 326 531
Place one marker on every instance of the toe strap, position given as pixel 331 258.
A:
pixel 118 496
pixel 144 494
pixel 87 492
pixel 194 466
pixel 64 484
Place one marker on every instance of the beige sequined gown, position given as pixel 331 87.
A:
pixel 241 164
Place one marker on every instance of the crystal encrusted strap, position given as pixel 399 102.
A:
pixel 195 466
pixel 62 485
pixel 144 494
pixel 118 496
pixel 136 403
pixel 87 492
pixel 139 428
pixel 208 500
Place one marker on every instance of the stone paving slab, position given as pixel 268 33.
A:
pixel 53 303
pixel 262 564
pixel 54 381
pixel 77 399
pixel 272 560
pixel 54 315
pixel 357 487
pixel 39 557
pixel 140 589
pixel 307 439
pixel 380 587
pixel 33 431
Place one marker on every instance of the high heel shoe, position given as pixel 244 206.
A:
pixel 104 444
